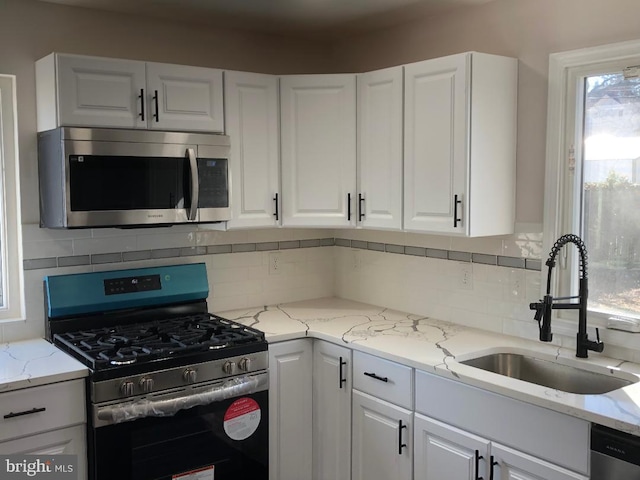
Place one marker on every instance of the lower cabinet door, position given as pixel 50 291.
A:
pixel 331 411
pixel 509 464
pixel 290 410
pixel 65 441
pixel 443 452
pixel 382 440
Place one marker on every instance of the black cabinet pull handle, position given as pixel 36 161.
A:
pixel 400 444
pixel 275 199
pixel 360 209
pixel 141 97
pixel 348 206
pixel 478 458
pixel 373 375
pixel 455 211
pixel 493 463
pixel 342 380
pixel 155 99
pixel 26 412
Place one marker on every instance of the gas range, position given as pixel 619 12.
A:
pixel 173 391
pixel 146 330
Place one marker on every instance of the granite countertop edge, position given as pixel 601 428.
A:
pixel 437 347
pixel 35 362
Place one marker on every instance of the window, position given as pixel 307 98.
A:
pixel 593 173
pixel 11 275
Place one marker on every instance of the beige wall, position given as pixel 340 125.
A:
pixel 527 29
pixel 30 30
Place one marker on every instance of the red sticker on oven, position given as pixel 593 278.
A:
pixel 242 418
pixel 205 473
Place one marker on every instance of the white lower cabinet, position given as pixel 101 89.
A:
pixel 331 411
pixel 45 420
pixel 381 447
pixel 290 410
pixel 511 464
pixel 462 432
pixel 443 452
pixel 65 441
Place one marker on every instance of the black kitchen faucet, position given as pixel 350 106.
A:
pixel 544 307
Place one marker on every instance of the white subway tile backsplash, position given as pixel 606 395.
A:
pixel 47 248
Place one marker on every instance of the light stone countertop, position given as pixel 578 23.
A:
pixel 30 363
pixel 436 347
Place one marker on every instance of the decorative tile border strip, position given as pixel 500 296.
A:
pixel 483 258
pixel 119 257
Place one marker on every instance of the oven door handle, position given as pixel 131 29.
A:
pixel 195 183
pixel 166 407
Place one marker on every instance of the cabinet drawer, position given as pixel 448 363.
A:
pixel 381 378
pixel 38 409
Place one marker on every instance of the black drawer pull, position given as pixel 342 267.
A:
pixel 400 444
pixel 493 464
pixel 342 380
pixel 141 97
pixel 456 202
pixel 277 214
pixel 155 100
pixel 373 375
pixel 26 412
pixel 478 458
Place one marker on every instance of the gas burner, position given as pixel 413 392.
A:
pixel 122 356
pixel 113 341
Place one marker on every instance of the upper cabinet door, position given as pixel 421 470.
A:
pixel 380 149
pixel 435 144
pixel 318 150
pixel 98 92
pixel 251 117
pixel 460 145
pixel 184 98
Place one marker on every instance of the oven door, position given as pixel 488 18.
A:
pixel 117 184
pixel 223 440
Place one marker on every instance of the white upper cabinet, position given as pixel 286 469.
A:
pixel 459 145
pixel 75 90
pixel 251 117
pixel 380 97
pixel 185 98
pixel 318 121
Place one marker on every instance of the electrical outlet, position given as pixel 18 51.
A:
pixel 274 263
pixel 465 276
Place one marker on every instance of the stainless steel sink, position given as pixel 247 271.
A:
pixel 549 373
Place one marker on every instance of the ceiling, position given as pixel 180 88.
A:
pixel 285 16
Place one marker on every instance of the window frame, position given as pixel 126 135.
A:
pixel 561 195
pixel 11 229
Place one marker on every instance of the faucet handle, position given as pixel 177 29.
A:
pixel 598 335
pixel 539 308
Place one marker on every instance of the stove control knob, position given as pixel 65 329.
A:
pixel 127 388
pixel 146 384
pixel 244 364
pixel 189 375
pixel 228 367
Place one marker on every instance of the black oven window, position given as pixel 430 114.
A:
pixel 128 183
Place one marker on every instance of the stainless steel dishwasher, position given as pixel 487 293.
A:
pixel 614 455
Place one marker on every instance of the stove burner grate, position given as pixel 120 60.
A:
pixel 140 342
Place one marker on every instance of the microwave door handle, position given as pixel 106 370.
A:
pixel 195 187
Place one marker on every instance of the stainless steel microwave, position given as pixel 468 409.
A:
pixel 92 177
